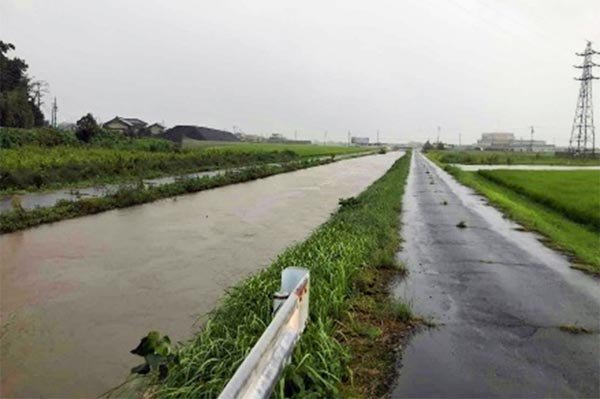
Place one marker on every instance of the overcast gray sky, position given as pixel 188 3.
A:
pixel 404 67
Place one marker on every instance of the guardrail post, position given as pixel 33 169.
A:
pixel 259 372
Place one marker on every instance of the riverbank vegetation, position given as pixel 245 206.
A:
pixel 509 158
pixel 19 218
pixel 545 207
pixel 43 158
pixel 303 150
pixel 28 167
pixel 345 256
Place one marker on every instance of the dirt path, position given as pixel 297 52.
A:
pixel 499 297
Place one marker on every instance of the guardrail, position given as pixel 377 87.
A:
pixel 259 372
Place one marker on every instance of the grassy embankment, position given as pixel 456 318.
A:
pixel 561 205
pixel 348 346
pixel 37 159
pixel 508 158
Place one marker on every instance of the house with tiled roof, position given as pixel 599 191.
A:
pixel 127 126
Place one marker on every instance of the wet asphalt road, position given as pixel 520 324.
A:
pixel 498 296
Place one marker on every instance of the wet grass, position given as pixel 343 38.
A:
pixel 19 218
pixel 579 241
pixel 508 158
pixel 574 193
pixel 344 257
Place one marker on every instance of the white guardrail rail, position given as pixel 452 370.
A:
pixel 260 371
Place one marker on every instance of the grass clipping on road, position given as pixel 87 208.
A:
pixel 561 232
pixel 350 258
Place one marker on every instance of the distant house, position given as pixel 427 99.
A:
pixel 127 126
pixel 71 127
pixel 254 138
pixel 280 138
pixel 360 140
pixel 156 128
pixel 180 132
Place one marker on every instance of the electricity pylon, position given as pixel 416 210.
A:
pixel 583 138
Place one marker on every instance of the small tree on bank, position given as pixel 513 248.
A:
pixel 87 128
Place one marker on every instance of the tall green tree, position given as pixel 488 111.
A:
pixel 17 107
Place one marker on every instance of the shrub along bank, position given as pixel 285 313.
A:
pixel 346 257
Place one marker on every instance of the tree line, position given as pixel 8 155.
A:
pixel 20 96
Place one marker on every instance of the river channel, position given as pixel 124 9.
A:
pixel 77 295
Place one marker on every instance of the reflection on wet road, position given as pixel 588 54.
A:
pixel 77 295
pixel 498 296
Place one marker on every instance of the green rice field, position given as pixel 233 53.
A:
pixel 508 158
pixel 575 194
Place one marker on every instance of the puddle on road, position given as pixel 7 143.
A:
pixel 77 295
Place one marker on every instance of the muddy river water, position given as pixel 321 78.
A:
pixel 77 295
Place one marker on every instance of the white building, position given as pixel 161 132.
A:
pixel 360 140
pixel 508 142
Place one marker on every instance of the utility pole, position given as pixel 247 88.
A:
pixel 349 141
pixel 459 141
pixel 54 113
pixel 438 135
pixel 325 137
pixel 531 140
pixel 377 136
pixel 583 138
